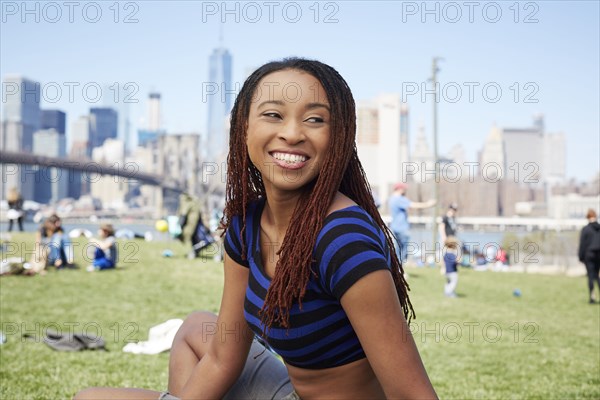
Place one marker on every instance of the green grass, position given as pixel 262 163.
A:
pixel 549 345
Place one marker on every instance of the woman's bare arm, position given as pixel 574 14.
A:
pixel 374 310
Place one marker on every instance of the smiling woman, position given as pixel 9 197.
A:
pixel 308 264
pixel 288 133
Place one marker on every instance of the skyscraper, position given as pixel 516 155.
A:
pixel 20 119
pixel 382 139
pixel 154 121
pixel 493 155
pixel 103 125
pixel 118 96
pixel 80 149
pixel 153 130
pixel 51 183
pixel 555 158
pixel 22 106
pixel 53 119
pixel 219 103
pixel 80 138
pixel 524 154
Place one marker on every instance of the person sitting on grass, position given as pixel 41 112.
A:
pixel 58 248
pixel 310 265
pixel 60 252
pixel 39 259
pixel 105 253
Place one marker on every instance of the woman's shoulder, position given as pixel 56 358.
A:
pixel 343 207
pixel 348 219
pixel 340 202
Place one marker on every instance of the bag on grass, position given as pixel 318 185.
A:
pixel 72 342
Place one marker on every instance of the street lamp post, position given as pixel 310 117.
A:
pixel 436 164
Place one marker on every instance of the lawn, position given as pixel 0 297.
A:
pixel 486 344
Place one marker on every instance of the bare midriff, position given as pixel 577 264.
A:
pixel 351 381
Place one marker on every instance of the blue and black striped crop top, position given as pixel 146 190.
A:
pixel 349 246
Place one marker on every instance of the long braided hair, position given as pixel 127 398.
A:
pixel 341 171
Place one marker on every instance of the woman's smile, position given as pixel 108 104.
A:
pixel 289 159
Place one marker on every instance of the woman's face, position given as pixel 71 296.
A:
pixel 288 129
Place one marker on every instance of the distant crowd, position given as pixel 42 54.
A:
pixel 53 248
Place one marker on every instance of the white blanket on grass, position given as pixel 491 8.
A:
pixel 160 338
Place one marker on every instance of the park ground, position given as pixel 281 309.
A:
pixel 507 335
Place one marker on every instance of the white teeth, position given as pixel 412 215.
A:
pixel 289 158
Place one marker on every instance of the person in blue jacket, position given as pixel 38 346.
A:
pixel 399 206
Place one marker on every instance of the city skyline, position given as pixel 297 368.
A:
pixel 520 53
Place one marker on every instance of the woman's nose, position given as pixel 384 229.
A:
pixel 292 133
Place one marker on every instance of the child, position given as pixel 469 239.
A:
pixel 451 262
pixel 105 254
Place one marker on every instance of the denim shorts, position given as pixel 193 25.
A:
pixel 263 377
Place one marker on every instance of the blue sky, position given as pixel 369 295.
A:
pixel 379 47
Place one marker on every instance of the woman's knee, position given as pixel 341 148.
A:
pixel 199 324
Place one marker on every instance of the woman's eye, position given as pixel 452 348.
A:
pixel 315 119
pixel 272 115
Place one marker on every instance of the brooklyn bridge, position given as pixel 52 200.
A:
pixel 126 170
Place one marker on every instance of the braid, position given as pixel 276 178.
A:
pixel 341 171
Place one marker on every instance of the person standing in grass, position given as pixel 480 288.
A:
pixel 193 231
pixel 15 208
pixel 448 227
pixel 310 265
pixel 399 206
pixel 589 252
pixel 451 258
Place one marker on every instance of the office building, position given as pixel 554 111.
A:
pixel 21 105
pixel 80 138
pixel 53 119
pixel 382 140
pixel 492 158
pixel 103 125
pixel 219 104
pixel 118 97
pixel 110 190
pixel 150 134
pixel 51 184
pixel 154 112
pixel 20 119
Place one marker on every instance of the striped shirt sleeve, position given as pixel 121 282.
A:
pixel 349 248
pixel 233 242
